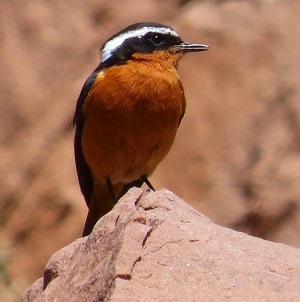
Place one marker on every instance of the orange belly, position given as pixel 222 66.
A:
pixel 129 129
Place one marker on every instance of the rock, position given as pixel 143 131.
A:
pixel 34 291
pixel 155 247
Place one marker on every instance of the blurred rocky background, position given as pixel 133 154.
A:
pixel 236 158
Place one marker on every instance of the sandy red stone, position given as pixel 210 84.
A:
pixel 155 247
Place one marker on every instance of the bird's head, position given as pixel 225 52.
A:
pixel 146 41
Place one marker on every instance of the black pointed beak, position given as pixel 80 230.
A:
pixel 190 47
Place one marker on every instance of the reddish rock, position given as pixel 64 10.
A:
pixel 155 247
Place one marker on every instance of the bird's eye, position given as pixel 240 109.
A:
pixel 155 38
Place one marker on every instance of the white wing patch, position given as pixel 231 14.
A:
pixel 111 45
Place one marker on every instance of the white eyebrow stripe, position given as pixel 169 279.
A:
pixel 113 44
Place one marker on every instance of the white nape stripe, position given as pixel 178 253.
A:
pixel 111 45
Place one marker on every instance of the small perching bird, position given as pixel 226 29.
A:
pixel 128 113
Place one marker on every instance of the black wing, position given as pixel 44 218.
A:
pixel 83 171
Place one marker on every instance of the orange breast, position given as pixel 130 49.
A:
pixel 131 117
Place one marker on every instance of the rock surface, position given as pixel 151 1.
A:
pixel 155 247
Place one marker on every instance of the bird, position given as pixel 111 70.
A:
pixel 128 113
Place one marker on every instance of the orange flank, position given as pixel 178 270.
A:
pixel 131 119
